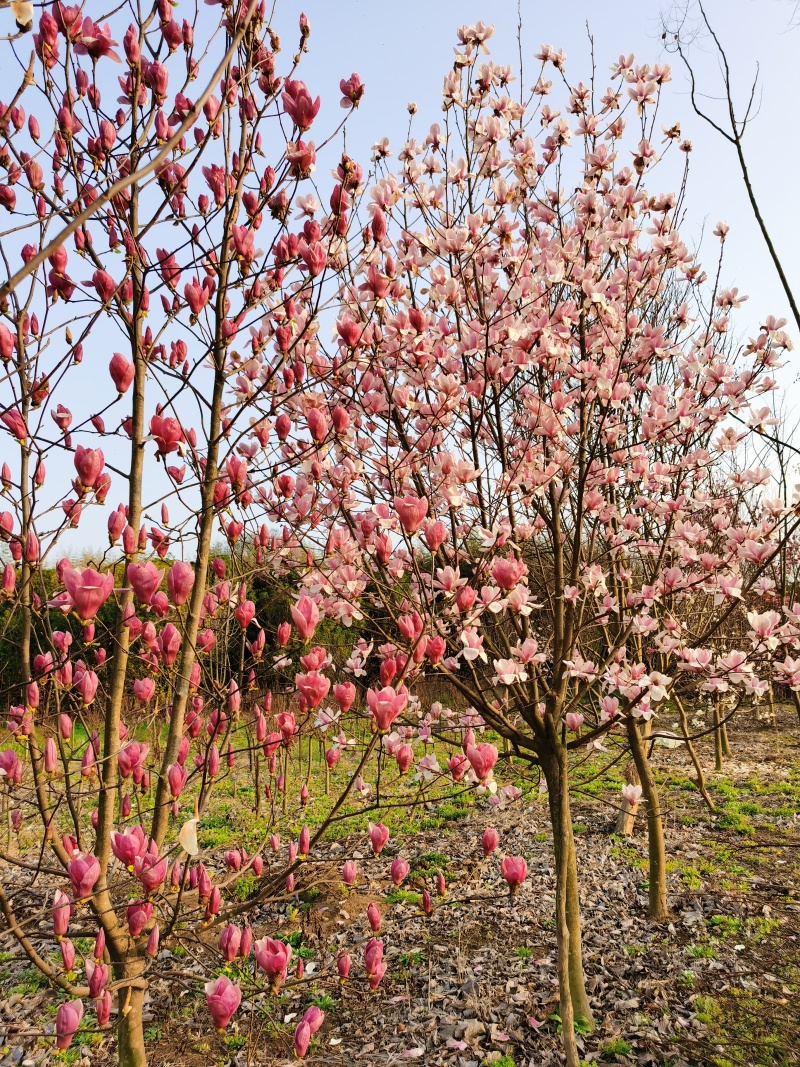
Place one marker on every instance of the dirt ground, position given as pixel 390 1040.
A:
pixel 475 982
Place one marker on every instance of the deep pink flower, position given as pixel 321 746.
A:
pixel 89 464
pixel 386 704
pixel 378 836
pixel 305 615
pixel 180 581
pixel 411 510
pixel 482 758
pixel 515 870
pixel 298 104
pixel 88 590
pixel 273 957
pixel 345 694
pixel 144 578
pixel 83 871
pixel 150 869
pixel 399 870
pixel 68 1019
pixel 122 372
pixel 352 90
pixel 490 839
pixel 128 844
pixel 138 915
pixel 313 687
pixel 223 998
pixel 60 913
pixel 144 689
pixel 229 941
pixel 302 1036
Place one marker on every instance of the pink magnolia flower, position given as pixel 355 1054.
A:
pixel 411 510
pixel 349 871
pixel 60 912
pixel 314 1017
pixel 95 41
pixel 144 578
pixel 128 844
pixel 373 917
pixel 399 870
pixel 102 1008
pixel 89 463
pixel 273 957
pixel 298 104
pixel 373 962
pixel 302 1037
pixel 87 686
pixel 507 572
pixel 138 915
pixel 490 839
pixel 179 582
pixel 83 871
pixel 458 766
pixel 169 644
pixel 144 689
pixel 223 998
pixel 386 704
pixel 378 836
pixel 313 687
pixel 482 758
pixel 68 1019
pixel 404 754
pixel 632 793
pixel 14 423
pixel 352 90
pixel 305 616
pixel 122 372
pixel 150 869
pixel 574 721
pixel 345 695
pixel 88 590
pixel 176 777
pixel 229 941
pixel 515 870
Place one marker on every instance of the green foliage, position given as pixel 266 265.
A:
pixel 616 1046
pixel 403 896
pixel 322 1001
pixel 245 887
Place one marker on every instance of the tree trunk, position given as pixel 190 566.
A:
pixel 726 745
pixel 626 816
pixel 717 739
pixel 701 778
pixel 580 999
pixel 659 908
pixel 574 1002
pixel 130 1028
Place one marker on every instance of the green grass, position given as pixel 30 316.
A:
pixel 617 1046
pixel 403 896
pixel 30 981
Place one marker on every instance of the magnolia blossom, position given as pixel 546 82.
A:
pixel 509 672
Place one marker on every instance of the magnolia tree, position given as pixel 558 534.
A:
pixel 480 417
pixel 148 240
pixel 529 477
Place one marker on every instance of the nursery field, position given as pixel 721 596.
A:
pixel 474 982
